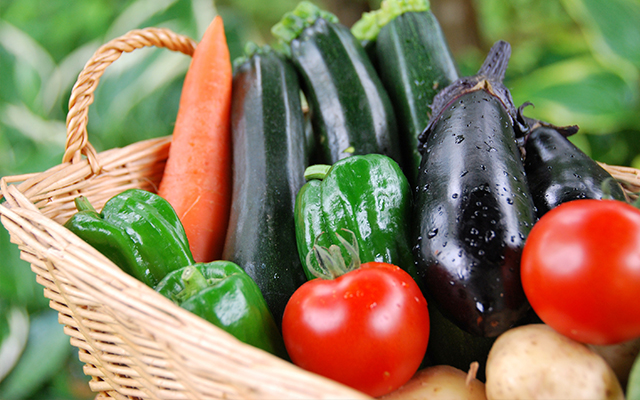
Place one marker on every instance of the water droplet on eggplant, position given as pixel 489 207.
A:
pixel 489 235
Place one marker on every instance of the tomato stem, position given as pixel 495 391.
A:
pixel 330 259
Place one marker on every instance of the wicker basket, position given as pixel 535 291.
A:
pixel 135 343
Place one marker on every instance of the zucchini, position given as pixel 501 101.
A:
pixel 557 171
pixel 414 62
pixel 269 160
pixel 473 207
pixel 350 110
pixel 450 345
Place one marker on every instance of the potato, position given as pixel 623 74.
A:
pixel 440 382
pixel 620 357
pixel 536 362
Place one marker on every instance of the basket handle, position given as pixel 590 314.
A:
pixel 77 143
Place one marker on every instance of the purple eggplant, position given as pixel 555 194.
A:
pixel 473 206
pixel 557 171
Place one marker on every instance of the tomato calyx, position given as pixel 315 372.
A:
pixel 330 259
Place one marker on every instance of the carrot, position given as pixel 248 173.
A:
pixel 197 175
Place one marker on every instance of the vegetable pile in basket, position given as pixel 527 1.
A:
pixel 342 199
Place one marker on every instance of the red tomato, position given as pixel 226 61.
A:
pixel 581 270
pixel 367 329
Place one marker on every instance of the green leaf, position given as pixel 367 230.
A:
pixel 18 284
pixel 46 351
pixel 136 14
pixel 611 28
pixel 578 91
pixel 14 327
pixel 27 51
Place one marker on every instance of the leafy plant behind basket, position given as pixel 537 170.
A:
pixel 579 63
pixel 43 46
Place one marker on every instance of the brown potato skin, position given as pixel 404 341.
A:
pixel 440 382
pixel 536 362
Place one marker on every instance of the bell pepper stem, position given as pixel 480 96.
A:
pixel 193 281
pixel 83 204
pixel 316 171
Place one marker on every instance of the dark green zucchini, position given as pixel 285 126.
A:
pixel 473 207
pixel 414 62
pixel 557 171
pixel 268 170
pixel 350 110
pixel 450 345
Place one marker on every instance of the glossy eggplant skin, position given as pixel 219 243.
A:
pixel 557 171
pixel 472 203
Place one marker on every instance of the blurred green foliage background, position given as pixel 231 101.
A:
pixel 577 61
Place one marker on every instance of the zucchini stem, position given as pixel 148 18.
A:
pixel 294 22
pixel 368 27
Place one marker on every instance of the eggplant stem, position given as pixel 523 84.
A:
pixel 495 65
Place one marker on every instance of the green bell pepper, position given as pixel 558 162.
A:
pixel 224 294
pixel 367 195
pixel 138 230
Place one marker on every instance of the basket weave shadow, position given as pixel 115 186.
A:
pixel 135 343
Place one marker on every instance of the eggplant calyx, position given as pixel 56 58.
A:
pixel 489 78
pixel 533 124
